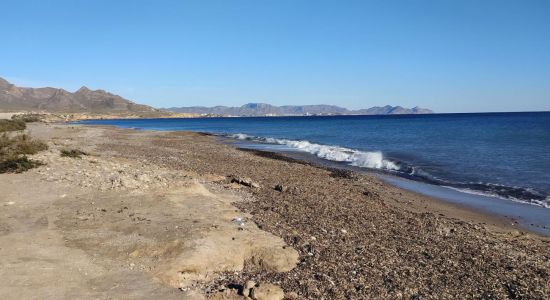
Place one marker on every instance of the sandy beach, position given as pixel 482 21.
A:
pixel 181 215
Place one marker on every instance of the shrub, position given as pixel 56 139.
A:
pixel 27 118
pixel 17 164
pixel 13 151
pixel 12 125
pixel 74 153
pixel 20 144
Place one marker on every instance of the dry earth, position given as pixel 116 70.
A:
pixel 107 227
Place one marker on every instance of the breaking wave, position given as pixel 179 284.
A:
pixel 373 160
pixel 376 160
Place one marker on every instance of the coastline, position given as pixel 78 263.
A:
pixel 421 203
pixel 355 235
pixel 501 213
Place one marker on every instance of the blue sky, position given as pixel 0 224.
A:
pixel 451 56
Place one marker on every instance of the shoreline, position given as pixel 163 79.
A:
pixel 310 231
pixel 520 192
pixel 472 211
pixel 426 203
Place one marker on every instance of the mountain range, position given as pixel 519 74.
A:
pixel 49 99
pixel 84 100
pixel 263 109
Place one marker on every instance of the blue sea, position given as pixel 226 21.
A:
pixel 504 155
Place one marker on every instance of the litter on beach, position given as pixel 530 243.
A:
pixel 239 221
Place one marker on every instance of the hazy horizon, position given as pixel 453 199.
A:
pixel 467 56
pixel 245 103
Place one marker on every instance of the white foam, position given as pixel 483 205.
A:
pixel 543 203
pixel 373 160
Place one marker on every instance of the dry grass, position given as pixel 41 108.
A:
pixel 12 125
pixel 27 118
pixel 18 164
pixel 74 153
pixel 13 151
pixel 20 144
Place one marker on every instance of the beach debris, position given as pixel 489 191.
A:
pixel 245 181
pixel 281 188
pixel 240 221
pixel 9 203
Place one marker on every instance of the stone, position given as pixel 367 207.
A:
pixel 281 188
pixel 247 288
pixel 245 181
pixel 267 291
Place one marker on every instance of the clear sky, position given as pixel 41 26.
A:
pixel 451 56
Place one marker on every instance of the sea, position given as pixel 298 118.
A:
pixel 504 156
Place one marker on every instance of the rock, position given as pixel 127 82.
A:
pixel 267 291
pixel 281 188
pixel 247 288
pixel 283 260
pixel 245 181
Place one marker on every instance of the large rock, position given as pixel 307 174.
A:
pixel 267 291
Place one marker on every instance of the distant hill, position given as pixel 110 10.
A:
pixel 55 100
pixel 49 99
pixel 262 109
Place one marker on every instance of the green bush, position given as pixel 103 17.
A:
pixel 12 125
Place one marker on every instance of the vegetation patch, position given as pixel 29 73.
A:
pixel 74 153
pixel 18 164
pixel 13 151
pixel 20 144
pixel 27 118
pixel 12 125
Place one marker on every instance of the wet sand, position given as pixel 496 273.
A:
pixel 356 237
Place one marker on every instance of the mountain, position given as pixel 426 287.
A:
pixel 13 98
pixel 59 100
pixel 262 109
